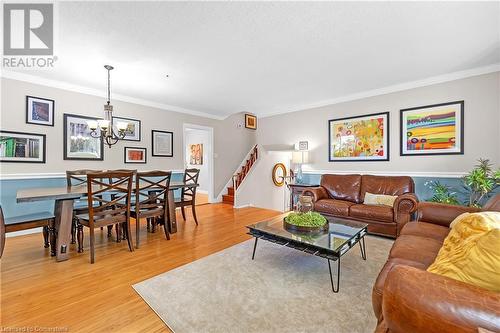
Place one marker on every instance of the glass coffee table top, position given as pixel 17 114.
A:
pixel 341 235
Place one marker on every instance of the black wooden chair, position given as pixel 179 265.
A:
pixel 112 211
pixel 188 194
pixel 45 220
pixel 151 192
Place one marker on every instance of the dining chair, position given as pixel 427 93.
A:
pixel 188 193
pixel 2 232
pixel 151 192
pixel 120 235
pixel 75 178
pixel 111 209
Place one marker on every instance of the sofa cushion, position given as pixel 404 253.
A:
pixel 333 207
pixel 342 187
pixel 415 248
pixel 424 229
pixel 372 212
pixel 379 283
pixel 386 185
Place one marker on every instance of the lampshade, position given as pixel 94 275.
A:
pixel 300 157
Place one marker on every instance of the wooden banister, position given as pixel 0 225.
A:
pixel 245 168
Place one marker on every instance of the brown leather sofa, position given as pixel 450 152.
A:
pixel 343 196
pixel 406 298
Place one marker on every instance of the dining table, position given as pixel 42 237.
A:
pixel 64 198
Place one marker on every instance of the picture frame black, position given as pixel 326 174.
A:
pixel 387 132
pixel 154 152
pixel 65 138
pixel 403 133
pixel 43 152
pixel 125 160
pixel 138 125
pixel 30 100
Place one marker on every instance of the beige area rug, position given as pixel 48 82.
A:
pixel 282 290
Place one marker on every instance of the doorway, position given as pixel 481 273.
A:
pixel 198 153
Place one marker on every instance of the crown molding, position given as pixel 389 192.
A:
pixel 8 74
pixel 391 89
pixel 416 174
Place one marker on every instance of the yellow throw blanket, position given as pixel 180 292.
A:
pixel 471 251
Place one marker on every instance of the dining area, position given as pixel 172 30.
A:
pixel 112 202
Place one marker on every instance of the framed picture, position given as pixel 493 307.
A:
pixel 135 155
pixel 303 145
pixel 196 154
pixel 78 143
pixel 40 111
pixel 433 129
pixel 250 121
pixel 360 138
pixel 162 143
pixel 22 147
pixel 133 131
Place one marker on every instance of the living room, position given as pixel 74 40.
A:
pixel 250 166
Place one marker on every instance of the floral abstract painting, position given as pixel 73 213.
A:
pixel 433 129
pixel 362 138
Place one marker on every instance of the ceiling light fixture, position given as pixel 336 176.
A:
pixel 103 128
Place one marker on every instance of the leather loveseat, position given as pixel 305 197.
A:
pixel 343 196
pixel 407 299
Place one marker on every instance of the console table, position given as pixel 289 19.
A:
pixel 296 189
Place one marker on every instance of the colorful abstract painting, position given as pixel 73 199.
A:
pixel 432 130
pixel 363 138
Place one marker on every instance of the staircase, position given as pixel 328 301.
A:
pixel 239 176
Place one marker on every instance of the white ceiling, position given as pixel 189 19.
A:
pixel 267 57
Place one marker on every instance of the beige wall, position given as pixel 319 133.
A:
pixel 231 142
pixel 482 134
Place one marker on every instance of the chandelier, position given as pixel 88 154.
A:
pixel 103 128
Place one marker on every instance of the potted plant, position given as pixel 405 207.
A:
pixel 480 182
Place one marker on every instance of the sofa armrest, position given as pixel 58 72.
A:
pixel 404 206
pixel 317 193
pixel 418 301
pixel 441 214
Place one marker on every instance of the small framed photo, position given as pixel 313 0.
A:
pixel 162 143
pixel 78 143
pixel 22 147
pixel 250 121
pixel 135 155
pixel 133 131
pixel 40 111
pixel 432 130
pixel 303 145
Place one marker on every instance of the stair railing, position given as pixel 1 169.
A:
pixel 245 168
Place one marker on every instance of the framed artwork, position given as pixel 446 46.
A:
pixel 303 145
pixel 135 155
pixel 40 111
pixel 433 129
pixel 78 144
pixel 162 143
pixel 22 147
pixel 360 138
pixel 133 131
pixel 250 121
pixel 196 154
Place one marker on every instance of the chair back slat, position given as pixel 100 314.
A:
pixel 2 232
pixel 190 177
pixel 78 177
pixel 151 190
pixel 119 184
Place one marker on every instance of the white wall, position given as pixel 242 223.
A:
pixel 231 141
pixel 195 136
pixel 482 134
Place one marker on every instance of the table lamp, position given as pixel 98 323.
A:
pixel 298 158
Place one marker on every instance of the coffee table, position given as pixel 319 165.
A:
pixel 342 235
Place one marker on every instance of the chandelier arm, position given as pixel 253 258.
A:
pixel 94 134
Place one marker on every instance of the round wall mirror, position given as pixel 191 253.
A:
pixel 279 174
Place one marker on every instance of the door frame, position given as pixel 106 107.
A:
pixel 210 153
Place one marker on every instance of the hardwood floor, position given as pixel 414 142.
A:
pixel 80 297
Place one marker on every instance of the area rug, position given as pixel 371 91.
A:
pixel 282 290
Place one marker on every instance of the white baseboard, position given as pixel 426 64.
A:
pixel 243 206
pixel 23 232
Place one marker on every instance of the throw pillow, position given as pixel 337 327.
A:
pixel 379 199
pixel 471 251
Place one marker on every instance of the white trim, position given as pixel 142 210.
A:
pixel 94 92
pixel 244 206
pixel 16 176
pixel 23 232
pixel 211 166
pixel 389 89
pixel 390 173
